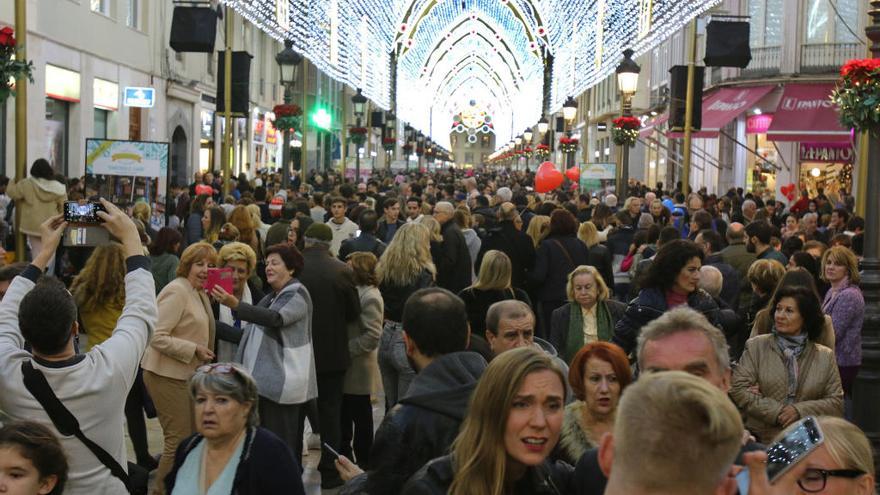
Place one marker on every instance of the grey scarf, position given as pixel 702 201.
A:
pixel 792 346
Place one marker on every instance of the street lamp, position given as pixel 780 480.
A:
pixel 288 64
pixel 527 135
pixel 391 127
pixel 543 125
pixel 358 102
pixel 420 145
pixel 627 83
pixel 569 109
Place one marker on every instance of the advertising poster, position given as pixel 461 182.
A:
pixel 125 172
pixel 597 177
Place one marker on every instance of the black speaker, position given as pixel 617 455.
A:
pixel 727 44
pixel 377 119
pixel 678 79
pixel 560 124
pixel 193 29
pixel 241 78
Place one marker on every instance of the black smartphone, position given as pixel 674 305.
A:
pixel 76 212
pixel 794 446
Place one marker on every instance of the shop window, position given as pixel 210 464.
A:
pixel 100 129
pixel 132 14
pixel 56 136
pixel 100 6
pixel 823 25
pixel 766 22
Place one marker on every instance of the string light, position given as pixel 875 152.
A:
pixel 490 50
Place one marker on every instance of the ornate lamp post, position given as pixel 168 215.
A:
pixel 866 406
pixel 358 102
pixel 627 83
pixel 420 148
pixel 391 129
pixel 288 64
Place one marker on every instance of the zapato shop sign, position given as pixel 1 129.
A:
pixel 826 152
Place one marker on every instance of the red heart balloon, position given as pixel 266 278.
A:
pixel 573 174
pixel 548 178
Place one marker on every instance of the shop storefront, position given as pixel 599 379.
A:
pixel 265 142
pixel 761 165
pixel 105 96
pixel 206 141
pixel 62 90
pixel 826 166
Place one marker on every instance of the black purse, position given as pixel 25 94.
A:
pixel 65 422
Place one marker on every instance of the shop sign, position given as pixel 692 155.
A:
pixel 62 84
pixel 826 152
pixel 106 94
pixel 758 124
pixel 593 175
pixel 139 97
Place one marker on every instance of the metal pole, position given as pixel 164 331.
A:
pixel 357 156
pixel 689 109
pixel 226 165
pixel 285 152
pixel 866 407
pixel 21 87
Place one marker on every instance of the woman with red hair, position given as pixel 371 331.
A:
pixel 599 372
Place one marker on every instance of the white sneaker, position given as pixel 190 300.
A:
pixel 313 441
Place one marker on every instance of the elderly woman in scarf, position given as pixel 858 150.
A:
pixel 785 375
pixel 589 316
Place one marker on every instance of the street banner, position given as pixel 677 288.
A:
pixel 597 177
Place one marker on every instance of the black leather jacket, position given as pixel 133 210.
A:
pixel 648 306
pixel 547 479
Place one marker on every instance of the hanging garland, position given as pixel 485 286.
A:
pixel 287 116
pixel 11 69
pixel 858 95
pixel 625 131
pixel 358 135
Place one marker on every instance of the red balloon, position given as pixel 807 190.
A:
pixel 573 174
pixel 548 178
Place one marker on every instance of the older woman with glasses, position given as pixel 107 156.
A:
pixel 230 453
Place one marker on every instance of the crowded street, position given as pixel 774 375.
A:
pixel 424 247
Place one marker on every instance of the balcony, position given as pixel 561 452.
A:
pixel 765 61
pixel 828 57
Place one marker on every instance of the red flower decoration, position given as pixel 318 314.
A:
pixel 389 140
pixel 860 70
pixel 7 38
pixel 358 130
pixel 627 123
pixel 287 110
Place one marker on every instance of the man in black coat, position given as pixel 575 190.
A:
pixel 454 259
pixel 390 221
pixel 366 241
pixel 711 243
pixel 514 243
pixel 424 423
pixel 335 303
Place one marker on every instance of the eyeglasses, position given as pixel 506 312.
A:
pixel 813 480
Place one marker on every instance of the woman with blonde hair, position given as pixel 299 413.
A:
pixel 600 256
pixel 843 464
pixel 845 304
pixel 262 228
pixel 404 268
pixel 436 236
pixel 538 228
pixel 248 233
pixel 489 456
pixel 589 316
pixel 492 285
pixel 182 341
pixel 243 261
pixel 142 211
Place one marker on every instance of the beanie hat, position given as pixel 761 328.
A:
pixel 318 232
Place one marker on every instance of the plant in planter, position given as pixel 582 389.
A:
pixel 568 144
pixel 10 68
pixel 287 116
pixel 542 150
pixel 388 143
pixel 858 95
pixel 358 135
pixel 625 131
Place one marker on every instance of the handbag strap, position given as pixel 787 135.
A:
pixel 565 251
pixel 63 419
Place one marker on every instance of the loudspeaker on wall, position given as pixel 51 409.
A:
pixel 727 44
pixel 193 29
pixel 678 76
pixel 241 78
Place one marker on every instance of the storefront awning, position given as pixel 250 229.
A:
pixel 652 124
pixel 806 113
pixel 724 105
